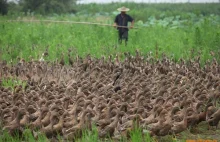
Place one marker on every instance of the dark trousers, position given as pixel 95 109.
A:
pixel 123 35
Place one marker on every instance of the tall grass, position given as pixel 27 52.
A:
pixel 31 39
pixel 12 83
pixel 88 136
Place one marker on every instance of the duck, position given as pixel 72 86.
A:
pixel 154 128
pixel 37 124
pixel 25 120
pixel 71 119
pixel 46 119
pixel 178 127
pixel 79 102
pixel 56 101
pixel 8 115
pixel 165 128
pixel 192 117
pixel 152 117
pixel 33 113
pixel 48 129
pixel 15 125
pixel 214 119
pixel 109 129
pixel 57 127
pixel 203 114
pixel 76 131
pixel 131 124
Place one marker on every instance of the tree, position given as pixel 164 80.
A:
pixel 3 7
pixel 48 6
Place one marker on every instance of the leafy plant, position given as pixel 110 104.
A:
pixel 12 82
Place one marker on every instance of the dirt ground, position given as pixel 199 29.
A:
pixel 201 132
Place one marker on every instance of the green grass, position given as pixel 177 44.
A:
pixel 11 82
pixel 136 135
pixel 174 28
pixel 88 136
pixel 31 39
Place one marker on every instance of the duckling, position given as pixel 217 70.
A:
pixel 178 127
pixel 152 117
pixel 165 128
pixel 76 131
pixel 155 127
pixel 211 109
pixel 25 120
pixel 37 123
pixel 57 127
pixel 48 129
pixel 192 117
pixel 105 121
pixel 33 113
pixel 109 129
pixel 15 126
pixel 106 113
pixel 130 125
pixel 46 119
pixel 8 115
pixel 66 102
pixel 214 119
pixel 73 109
pixel 72 119
pixel 204 113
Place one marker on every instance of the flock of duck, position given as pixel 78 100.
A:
pixel 161 96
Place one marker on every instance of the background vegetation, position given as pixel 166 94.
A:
pixel 48 7
pixel 3 7
pixel 172 35
pixel 43 7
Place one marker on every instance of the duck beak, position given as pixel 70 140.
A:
pixel 103 110
pixel 6 115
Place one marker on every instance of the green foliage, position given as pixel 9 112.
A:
pixel 12 82
pixel 46 7
pixel 173 37
pixel 198 37
pixel 145 10
pixel 90 136
pixel 3 7
pixel 28 136
pixel 136 134
pixel 14 9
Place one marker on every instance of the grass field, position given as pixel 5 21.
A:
pixel 172 34
pixel 180 31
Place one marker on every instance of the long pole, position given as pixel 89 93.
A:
pixel 69 22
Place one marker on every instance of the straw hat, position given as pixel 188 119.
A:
pixel 123 9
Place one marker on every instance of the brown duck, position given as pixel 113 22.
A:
pixel 214 119
pixel 15 126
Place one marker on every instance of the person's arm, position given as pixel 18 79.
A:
pixel 116 22
pixel 115 25
pixel 132 24
pixel 130 19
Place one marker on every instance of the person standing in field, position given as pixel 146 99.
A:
pixel 122 19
